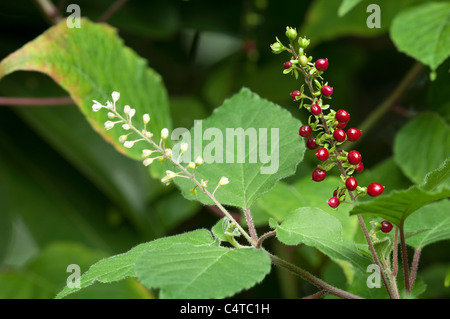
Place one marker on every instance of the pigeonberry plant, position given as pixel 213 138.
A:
pixel 361 225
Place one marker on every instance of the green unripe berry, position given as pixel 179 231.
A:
pixel 291 33
pixel 303 60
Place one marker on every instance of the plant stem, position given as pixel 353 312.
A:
pixel 415 265
pixel 49 10
pixel 312 279
pixel 35 101
pixel 404 259
pixel 343 172
pixel 317 295
pixel 251 225
pixel 111 10
pixel 264 237
pixel 190 176
pixel 395 254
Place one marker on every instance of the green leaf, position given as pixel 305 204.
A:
pixel 432 224
pixel 90 63
pixel 187 271
pixel 122 266
pixel 285 198
pixel 346 6
pixel 269 149
pixel 43 277
pixel 314 227
pixel 429 23
pixel 399 204
pixel 422 145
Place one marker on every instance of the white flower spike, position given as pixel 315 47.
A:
pixel 115 96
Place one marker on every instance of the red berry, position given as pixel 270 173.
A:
pixel 351 183
pixel 342 116
pixel 375 189
pixel 322 154
pixel 295 94
pixel 342 125
pixel 321 64
pixel 305 131
pixel 333 202
pixel 339 135
pixel 319 175
pixel 326 90
pixel 354 157
pixel 287 65
pixel 315 109
pixel 353 134
pixel 386 226
pixel 311 143
pixel 359 168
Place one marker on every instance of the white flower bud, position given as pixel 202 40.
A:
pixel 126 127
pixel 223 181
pixel 164 134
pixel 183 147
pixel 199 161
pixel 128 144
pixel 111 115
pixel 146 118
pixel 132 113
pixel 203 183
pixel 146 153
pixel 109 105
pixel 168 152
pixel 148 134
pixel 126 109
pixel 123 138
pixel 171 174
pixel 191 165
pixel 96 106
pixel 109 125
pixel 148 161
pixel 115 96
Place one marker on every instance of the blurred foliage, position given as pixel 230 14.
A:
pixel 66 196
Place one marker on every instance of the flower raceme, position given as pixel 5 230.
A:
pixel 324 131
pixel 155 151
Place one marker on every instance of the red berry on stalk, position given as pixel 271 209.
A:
pixel 295 94
pixel 315 109
pixel 319 175
pixel 342 116
pixel 321 64
pixel 375 189
pixel 354 157
pixel 326 90
pixel 342 125
pixel 351 183
pixel 353 134
pixel 333 202
pixel 305 131
pixel 339 135
pixel 359 168
pixel 386 226
pixel 311 143
pixel 322 154
pixel 287 65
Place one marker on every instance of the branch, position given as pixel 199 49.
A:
pixel 404 259
pixel 251 225
pixel 49 10
pixel 111 10
pixel 323 286
pixel 35 101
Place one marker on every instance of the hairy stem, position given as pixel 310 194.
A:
pixel 312 279
pixel 395 254
pixel 404 259
pixel 415 266
pixel 264 237
pixel 352 196
pixel 251 225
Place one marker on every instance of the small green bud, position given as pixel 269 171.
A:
pixel 303 60
pixel 303 42
pixel 291 33
pixel 277 47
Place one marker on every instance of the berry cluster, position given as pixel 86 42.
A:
pixel 325 131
